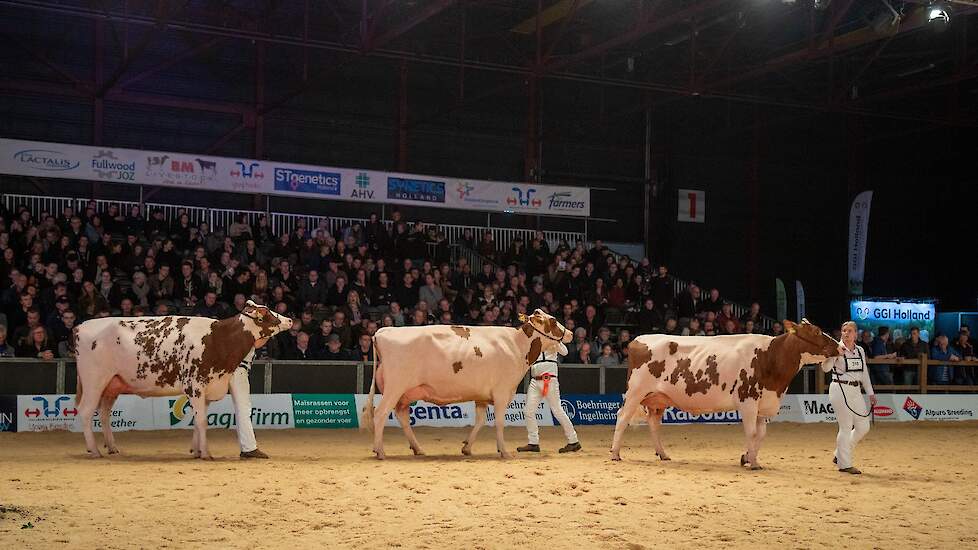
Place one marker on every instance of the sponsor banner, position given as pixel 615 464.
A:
pixel 325 410
pixel 899 316
pixel 34 158
pixel 805 408
pixel 422 413
pixel 516 413
pixel 588 409
pixel 915 407
pixel 858 233
pixel 800 299
pixel 781 298
pixel 268 411
pixel 8 413
pixel 59 412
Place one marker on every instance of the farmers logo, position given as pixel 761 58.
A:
pixel 178 409
pixel 882 411
pixel 913 408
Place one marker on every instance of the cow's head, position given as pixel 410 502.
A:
pixel 262 322
pixel 552 335
pixel 815 345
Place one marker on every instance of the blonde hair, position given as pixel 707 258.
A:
pixel 850 323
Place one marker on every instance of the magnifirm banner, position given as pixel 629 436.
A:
pixel 898 316
pixel 858 233
pixel 191 171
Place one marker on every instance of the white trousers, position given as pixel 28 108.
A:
pixel 852 427
pixel 241 395
pixel 534 394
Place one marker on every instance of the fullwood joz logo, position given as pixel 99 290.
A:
pixel 108 167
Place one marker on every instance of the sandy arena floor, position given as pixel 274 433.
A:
pixel 322 488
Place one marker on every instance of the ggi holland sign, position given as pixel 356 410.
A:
pixel 899 316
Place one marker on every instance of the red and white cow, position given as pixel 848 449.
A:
pixel 156 356
pixel 701 374
pixel 445 364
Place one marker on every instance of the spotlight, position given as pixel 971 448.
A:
pixel 938 16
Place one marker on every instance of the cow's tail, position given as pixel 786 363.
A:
pixel 367 416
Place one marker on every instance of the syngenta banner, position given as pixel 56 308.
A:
pixel 899 316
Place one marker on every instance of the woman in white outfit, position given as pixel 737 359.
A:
pixel 544 385
pixel 241 396
pixel 849 373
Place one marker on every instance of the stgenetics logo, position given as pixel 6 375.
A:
pixel 43 159
pixel 913 408
pixel 307 181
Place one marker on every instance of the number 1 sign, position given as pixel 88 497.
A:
pixel 692 206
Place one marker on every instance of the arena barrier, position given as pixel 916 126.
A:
pixel 31 413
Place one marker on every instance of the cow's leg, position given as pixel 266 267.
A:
pixel 655 424
pixel 195 444
pixel 748 416
pixel 91 396
pixel 625 413
pixel 387 403
pixel 200 426
pixel 760 433
pixel 404 418
pixel 480 420
pixel 501 402
pixel 105 413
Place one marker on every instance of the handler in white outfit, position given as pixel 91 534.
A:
pixel 544 385
pixel 241 395
pixel 849 372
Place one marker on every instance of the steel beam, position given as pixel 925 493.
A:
pixel 643 28
pixel 429 11
pixel 179 58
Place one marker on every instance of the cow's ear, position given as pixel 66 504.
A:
pixel 789 326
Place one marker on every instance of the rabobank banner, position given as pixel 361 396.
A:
pixel 899 316
pixel 192 171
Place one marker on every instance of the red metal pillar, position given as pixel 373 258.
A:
pixel 402 118
pixel 753 198
pixel 98 119
pixel 259 100
pixel 530 159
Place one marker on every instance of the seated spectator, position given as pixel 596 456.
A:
pixel 944 373
pixel 335 351
pixel 312 292
pixel 341 327
pixel 397 315
pixel 608 357
pixel 724 319
pixel 883 348
pixel 91 300
pixel 713 303
pixel 777 329
pixel 753 314
pixel 365 349
pixel 866 342
pixel 603 337
pixel 672 327
pixel 693 329
pixel 6 350
pixel 301 350
pixel 209 307
pixel 649 318
pixel 621 346
pixel 39 345
pixel 913 348
pixel 583 355
pixel 688 303
pixel 709 329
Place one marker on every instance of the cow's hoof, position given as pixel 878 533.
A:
pixel 113 450
pixel 467 450
pixel 756 467
pixel 417 452
pixel 505 455
pixel 206 457
pixel 743 460
pixel 663 456
pixel 379 455
pixel 616 457
pixel 94 454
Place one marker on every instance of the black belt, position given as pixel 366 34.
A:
pixel 848 382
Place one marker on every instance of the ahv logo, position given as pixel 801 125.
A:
pixel 248 170
pixel 522 200
pixel 913 408
pixel 48 409
pixel 42 159
pixel 362 189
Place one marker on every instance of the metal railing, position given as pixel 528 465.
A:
pixel 280 222
pixel 919 367
pixel 34 376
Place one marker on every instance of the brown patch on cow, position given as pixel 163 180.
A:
pixel 478 352
pixel 723 387
pixel 93 343
pixel 749 386
pixel 118 341
pixel 457 366
pixel 553 329
pixel 224 347
pixel 673 348
pixel 536 346
pixel 461 332
pixel 656 368
pixel 638 355
pixel 733 387
pixel 527 329
pixel 699 382
pixel 774 367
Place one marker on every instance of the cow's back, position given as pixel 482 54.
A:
pixel 147 353
pixel 696 373
pixel 457 362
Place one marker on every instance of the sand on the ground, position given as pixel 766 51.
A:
pixel 322 487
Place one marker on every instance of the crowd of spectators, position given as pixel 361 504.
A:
pixel 338 284
pixel 885 345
